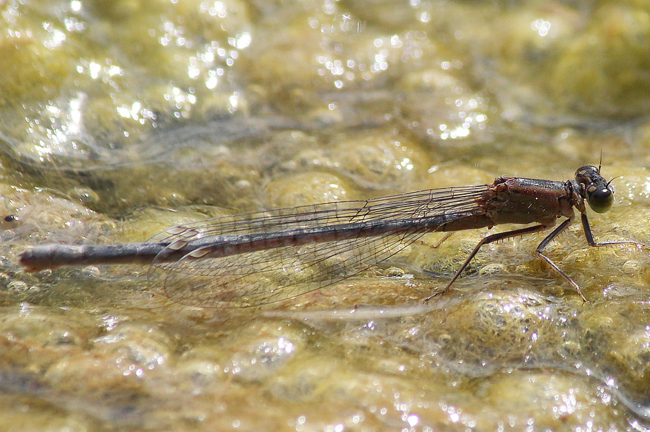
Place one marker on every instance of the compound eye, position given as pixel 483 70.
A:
pixel 600 199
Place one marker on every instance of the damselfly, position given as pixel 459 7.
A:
pixel 258 258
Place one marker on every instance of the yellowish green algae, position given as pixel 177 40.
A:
pixel 122 118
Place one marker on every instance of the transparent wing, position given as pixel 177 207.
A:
pixel 267 276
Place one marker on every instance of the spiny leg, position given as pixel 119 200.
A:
pixel 540 252
pixel 490 239
pixel 592 242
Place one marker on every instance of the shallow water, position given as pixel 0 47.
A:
pixel 122 118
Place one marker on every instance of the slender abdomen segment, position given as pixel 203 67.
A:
pixel 53 256
pixel 56 255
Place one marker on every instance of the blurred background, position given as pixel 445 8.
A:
pixel 120 118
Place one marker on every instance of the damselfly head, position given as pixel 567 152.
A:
pixel 595 188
